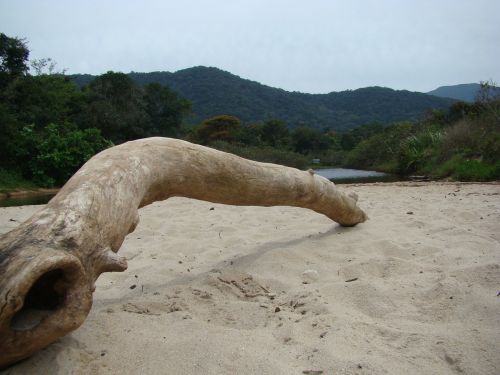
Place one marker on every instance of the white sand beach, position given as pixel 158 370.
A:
pixel 216 289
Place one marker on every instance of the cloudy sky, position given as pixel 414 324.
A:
pixel 314 46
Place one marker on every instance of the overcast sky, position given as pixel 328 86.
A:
pixel 314 46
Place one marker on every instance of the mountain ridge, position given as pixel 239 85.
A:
pixel 467 92
pixel 463 91
pixel 214 92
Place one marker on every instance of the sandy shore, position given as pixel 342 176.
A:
pixel 214 289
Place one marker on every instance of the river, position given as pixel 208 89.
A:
pixel 345 175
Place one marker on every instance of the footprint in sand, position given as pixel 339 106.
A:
pixel 242 284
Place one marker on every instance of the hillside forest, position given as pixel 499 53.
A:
pixel 50 125
pixel 213 92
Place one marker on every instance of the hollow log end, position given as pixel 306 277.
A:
pixel 44 294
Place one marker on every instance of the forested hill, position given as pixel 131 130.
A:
pixel 214 92
pixel 465 92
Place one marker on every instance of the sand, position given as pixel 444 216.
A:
pixel 214 289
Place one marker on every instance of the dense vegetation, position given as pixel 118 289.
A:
pixel 462 143
pixel 270 141
pixel 214 92
pixel 49 126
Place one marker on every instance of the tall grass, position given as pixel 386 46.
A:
pixel 462 169
pixel 10 180
pixel 416 150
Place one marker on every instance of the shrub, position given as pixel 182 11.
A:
pixel 460 168
pixel 12 180
pixel 462 137
pixel 416 150
pixel 55 154
pixel 219 128
pixel 380 149
pixel 476 170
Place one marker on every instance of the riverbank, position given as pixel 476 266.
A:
pixel 27 197
pixel 413 290
pixel 21 193
pixel 14 188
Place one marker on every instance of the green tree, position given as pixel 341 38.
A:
pixel 382 147
pixel 250 135
pixel 165 109
pixel 350 139
pixel 44 99
pixel 116 107
pixel 219 128
pixel 458 111
pixel 13 57
pixel 275 133
pixel 9 131
pixel 489 97
pixel 307 140
pixel 53 155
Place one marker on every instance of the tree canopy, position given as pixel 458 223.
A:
pixel 49 126
pixel 13 59
pixel 214 92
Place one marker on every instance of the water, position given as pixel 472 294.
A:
pixel 26 200
pixel 345 175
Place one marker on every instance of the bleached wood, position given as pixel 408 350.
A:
pixel 61 250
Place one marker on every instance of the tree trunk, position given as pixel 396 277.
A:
pixel 49 264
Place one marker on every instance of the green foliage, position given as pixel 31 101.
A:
pixel 43 99
pixel 275 133
pixel 219 128
pixel 250 135
pixel 213 91
pixel 308 140
pixel 459 111
pixel 463 144
pixel 416 149
pixel 9 127
pixel 351 138
pixel 13 57
pixel 462 169
pixel 55 154
pixel 165 109
pixel 476 170
pixel 11 180
pixel 115 107
pixel 379 148
pixel 49 126
pixel 124 111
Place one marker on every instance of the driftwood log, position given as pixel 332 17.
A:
pixel 49 264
